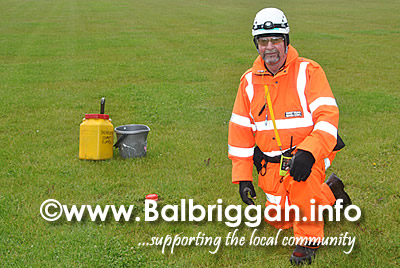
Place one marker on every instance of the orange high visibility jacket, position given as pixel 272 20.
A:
pixel 304 108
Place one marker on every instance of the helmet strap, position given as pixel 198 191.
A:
pixel 255 42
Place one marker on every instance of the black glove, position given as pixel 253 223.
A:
pixel 258 157
pixel 246 187
pixel 300 165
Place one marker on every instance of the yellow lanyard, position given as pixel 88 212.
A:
pixel 269 104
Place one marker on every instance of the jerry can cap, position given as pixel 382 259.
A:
pixel 97 116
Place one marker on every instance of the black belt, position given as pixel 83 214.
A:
pixel 275 159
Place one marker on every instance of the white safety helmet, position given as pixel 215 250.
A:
pixel 270 21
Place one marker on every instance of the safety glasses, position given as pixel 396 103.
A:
pixel 274 40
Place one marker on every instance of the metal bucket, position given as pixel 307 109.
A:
pixel 132 140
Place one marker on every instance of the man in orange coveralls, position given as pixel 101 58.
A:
pixel 285 106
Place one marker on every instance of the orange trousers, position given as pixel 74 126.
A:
pixel 285 191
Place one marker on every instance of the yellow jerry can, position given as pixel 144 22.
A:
pixel 96 136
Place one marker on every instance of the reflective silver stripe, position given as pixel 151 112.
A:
pixel 240 152
pixel 273 199
pixel 253 126
pixel 284 124
pixel 249 87
pixel 276 153
pixel 301 86
pixel 276 199
pixel 272 153
pixel 326 127
pixel 327 163
pixel 242 121
pixel 250 91
pixel 322 101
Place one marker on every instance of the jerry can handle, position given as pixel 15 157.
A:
pixel 102 104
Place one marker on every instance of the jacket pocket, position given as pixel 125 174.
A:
pixel 271 180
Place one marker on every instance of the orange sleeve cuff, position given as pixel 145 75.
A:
pixel 242 170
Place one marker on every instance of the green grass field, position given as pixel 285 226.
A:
pixel 175 66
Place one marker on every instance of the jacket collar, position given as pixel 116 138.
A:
pixel 259 67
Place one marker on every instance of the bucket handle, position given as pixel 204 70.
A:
pixel 120 139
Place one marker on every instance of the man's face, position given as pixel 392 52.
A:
pixel 272 49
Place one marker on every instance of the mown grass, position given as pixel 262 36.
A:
pixel 175 66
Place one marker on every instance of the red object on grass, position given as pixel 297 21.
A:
pixel 152 197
